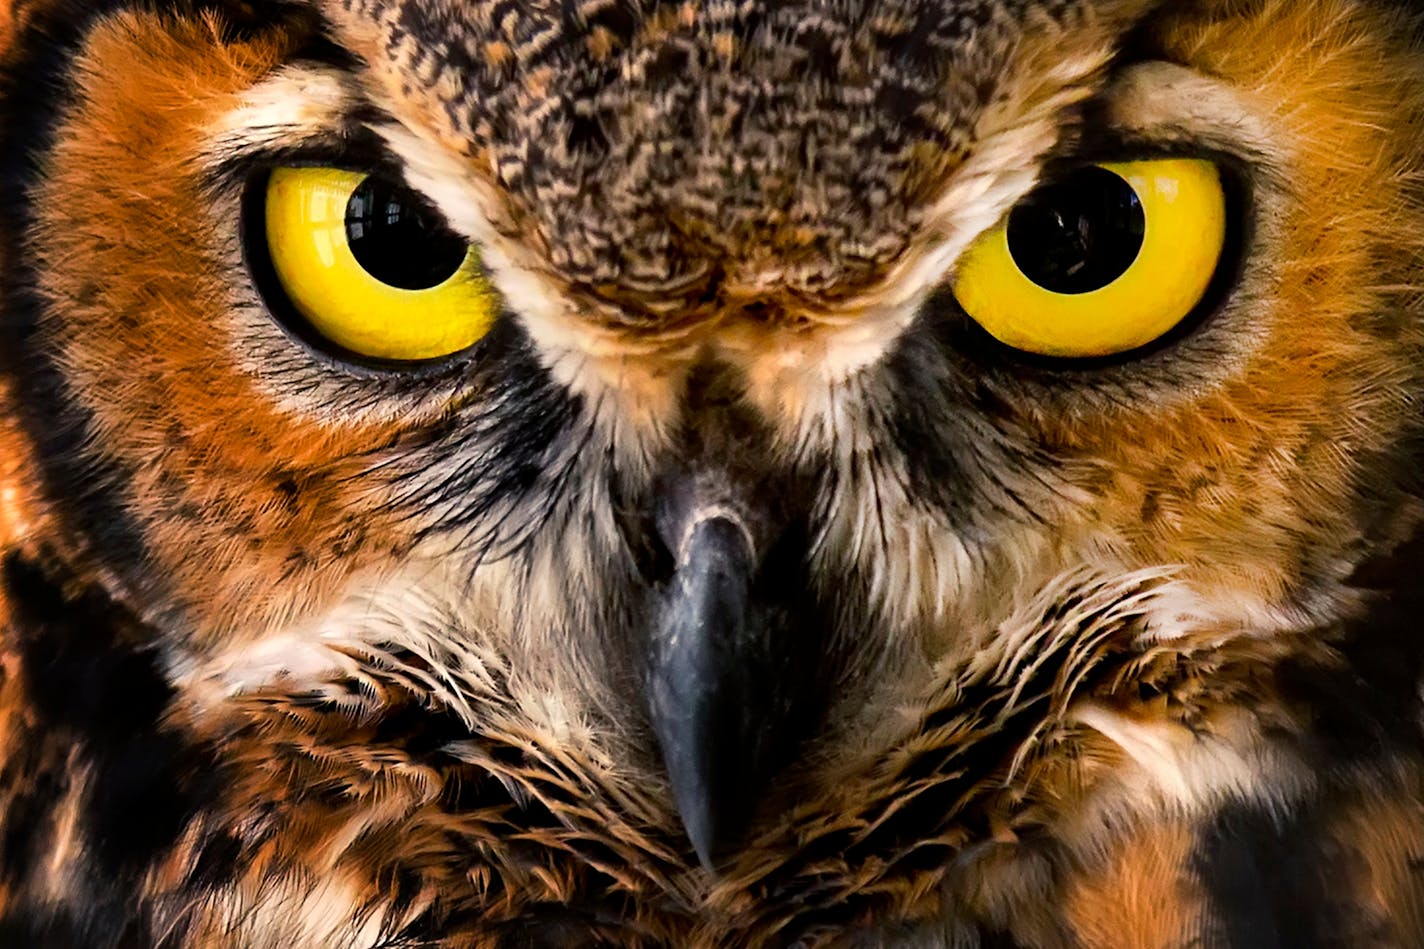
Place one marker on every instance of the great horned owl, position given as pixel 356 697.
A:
pixel 711 473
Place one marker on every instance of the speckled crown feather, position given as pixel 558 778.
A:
pixel 654 146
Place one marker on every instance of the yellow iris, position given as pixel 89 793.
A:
pixel 351 301
pixel 1138 299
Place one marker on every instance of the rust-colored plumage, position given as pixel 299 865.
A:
pixel 299 651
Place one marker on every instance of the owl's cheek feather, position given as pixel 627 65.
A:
pixel 289 503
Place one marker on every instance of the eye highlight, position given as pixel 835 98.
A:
pixel 1102 262
pixel 369 268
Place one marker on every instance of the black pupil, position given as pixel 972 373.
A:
pixel 398 240
pixel 1079 234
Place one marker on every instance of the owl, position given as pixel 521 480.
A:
pixel 711 473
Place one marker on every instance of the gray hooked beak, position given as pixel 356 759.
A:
pixel 725 698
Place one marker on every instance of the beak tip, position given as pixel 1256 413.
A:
pixel 709 787
pixel 699 824
pixel 715 819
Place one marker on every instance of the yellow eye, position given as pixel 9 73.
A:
pixel 371 269
pixel 1102 262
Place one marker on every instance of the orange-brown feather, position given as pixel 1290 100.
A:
pixel 216 466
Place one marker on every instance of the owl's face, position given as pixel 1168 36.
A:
pixel 743 423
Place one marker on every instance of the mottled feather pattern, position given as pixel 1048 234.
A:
pixel 296 653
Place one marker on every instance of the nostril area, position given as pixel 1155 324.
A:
pixel 723 522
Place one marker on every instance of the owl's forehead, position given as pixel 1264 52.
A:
pixel 651 145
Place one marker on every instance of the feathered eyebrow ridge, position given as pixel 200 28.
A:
pixel 297 106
